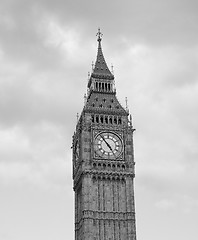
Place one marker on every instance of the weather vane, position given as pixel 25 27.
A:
pixel 99 34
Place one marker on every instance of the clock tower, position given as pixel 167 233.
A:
pixel 103 162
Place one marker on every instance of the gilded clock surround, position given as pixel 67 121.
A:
pixel 108 145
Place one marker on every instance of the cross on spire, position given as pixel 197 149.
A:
pixel 99 34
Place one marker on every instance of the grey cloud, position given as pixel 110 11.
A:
pixel 42 87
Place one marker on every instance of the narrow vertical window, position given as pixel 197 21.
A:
pixel 115 120
pixel 102 86
pixel 109 89
pixel 105 87
pixel 106 119
pixel 101 119
pixel 110 120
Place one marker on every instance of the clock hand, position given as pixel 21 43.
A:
pixel 109 146
pixel 113 153
pixel 107 143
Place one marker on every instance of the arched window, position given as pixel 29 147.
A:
pixel 94 165
pixel 110 120
pixel 123 166
pixel 102 86
pixel 115 120
pixel 106 119
pixel 101 119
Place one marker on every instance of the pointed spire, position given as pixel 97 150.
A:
pixel 101 69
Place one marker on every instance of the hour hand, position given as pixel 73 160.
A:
pixel 106 143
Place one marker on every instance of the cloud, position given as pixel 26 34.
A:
pixel 184 203
pixel 161 85
pixel 165 204
pixel 50 173
pixel 13 145
pixel 65 39
pixel 35 156
pixel 46 50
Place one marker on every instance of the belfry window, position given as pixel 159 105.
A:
pixel 110 120
pixel 101 119
pixel 106 119
pixel 106 87
pixel 109 87
pixel 115 120
pixel 99 86
pixel 102 86
pixel 97 119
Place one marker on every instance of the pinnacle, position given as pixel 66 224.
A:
pixel 101 69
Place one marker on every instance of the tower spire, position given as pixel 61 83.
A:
pixel 101 69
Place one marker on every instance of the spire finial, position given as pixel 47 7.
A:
pixel 99 34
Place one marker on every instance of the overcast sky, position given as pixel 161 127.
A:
pixel 46 51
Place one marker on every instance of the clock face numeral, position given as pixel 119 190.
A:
pixel 108 145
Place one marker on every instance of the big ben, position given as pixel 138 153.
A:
pixel 103 161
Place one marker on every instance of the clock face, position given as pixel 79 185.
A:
pixel 108 145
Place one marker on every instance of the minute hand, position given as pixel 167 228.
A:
pixel 107 143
